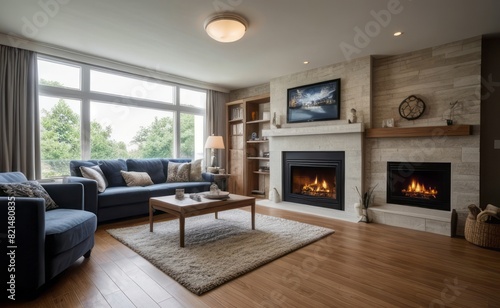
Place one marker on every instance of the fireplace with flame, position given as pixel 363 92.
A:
pixel 314 178
pixel 419 184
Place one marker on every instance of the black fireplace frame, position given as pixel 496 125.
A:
pixel 334 159
pixel 405 170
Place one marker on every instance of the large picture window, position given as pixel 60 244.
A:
pixel 60 122
pixel 131 87
pixel 132 132
pixel 91 113
pixel 58 74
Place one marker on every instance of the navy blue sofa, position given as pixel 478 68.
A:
pixel 46 241
pixel 121 201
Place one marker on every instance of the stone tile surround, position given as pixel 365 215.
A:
pixel 347 138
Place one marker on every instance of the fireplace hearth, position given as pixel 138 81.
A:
pixel 314 178
pixel 419 184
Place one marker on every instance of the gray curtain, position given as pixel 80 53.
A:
pixel 216 122
pixel 19 124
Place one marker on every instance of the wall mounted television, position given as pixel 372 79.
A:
pixel 315 102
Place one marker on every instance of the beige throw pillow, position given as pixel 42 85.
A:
pixel 178 172
pixel 134 178
pixel 195 173
pixel 95 173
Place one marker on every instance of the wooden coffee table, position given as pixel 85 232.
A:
pixel 188 207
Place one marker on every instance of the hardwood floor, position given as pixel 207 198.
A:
pixel 361 265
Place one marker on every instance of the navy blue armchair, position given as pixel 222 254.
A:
pixel 46 242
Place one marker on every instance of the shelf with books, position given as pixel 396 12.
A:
pixel 246 119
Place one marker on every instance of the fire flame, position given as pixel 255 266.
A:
pixel 317 188
pixel 418 190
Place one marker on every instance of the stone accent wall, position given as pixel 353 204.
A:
pixel 249 92
pixel 438 75
pixel 355 84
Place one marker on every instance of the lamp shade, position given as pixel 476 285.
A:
pixel 226 27
pixel 214 142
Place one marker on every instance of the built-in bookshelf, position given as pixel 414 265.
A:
pixel 247 150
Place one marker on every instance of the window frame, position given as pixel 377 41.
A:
pixel 86 96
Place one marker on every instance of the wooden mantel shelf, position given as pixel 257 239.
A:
pixel 314 130
pixel 427 131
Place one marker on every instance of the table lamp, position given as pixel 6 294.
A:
pixel 213 143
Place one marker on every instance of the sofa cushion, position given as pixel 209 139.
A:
pixel 95 173
pixel 165 161
pixel 65 228
pixel 134 178
pixel 195 171
pixel 74 166
pixel 178 172
pixel 153 167
pixel 122 195
pixel 12 177
pixel 27 189
pixel 112 170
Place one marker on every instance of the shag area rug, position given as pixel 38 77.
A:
pixel 217 250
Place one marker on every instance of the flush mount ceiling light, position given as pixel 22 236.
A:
pixel 226 27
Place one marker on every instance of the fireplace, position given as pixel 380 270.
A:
pixel 419 184
pixel 314 178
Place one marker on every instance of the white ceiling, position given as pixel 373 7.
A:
pixel 168 35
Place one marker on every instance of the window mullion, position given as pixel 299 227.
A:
pixel 85 119
pixel 177 124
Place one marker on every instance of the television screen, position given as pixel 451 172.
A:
pixel 315 102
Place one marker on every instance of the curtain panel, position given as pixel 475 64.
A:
pixel 19 121
pixel 216 123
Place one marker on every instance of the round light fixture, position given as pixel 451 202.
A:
pixel 226 27
pixel 399 33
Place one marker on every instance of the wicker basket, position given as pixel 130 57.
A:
pixel 482 234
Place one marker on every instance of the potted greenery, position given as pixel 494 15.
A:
pixel 365 201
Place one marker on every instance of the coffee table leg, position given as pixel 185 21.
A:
pixel 216 215
pixel 253 216
pixel 150 218
pixel 181 230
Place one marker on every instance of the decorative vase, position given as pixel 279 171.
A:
pixel 214 189
pixel 276 120
pixel 357 210
pixel 365 217
pixel 275 196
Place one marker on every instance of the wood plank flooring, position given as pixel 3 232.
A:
pixel 361 265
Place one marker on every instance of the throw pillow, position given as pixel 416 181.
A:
pixel 28 189
pixel 74 166
pixel 195 173
pixel 95 173
pixel 178 172
pixel 134 178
